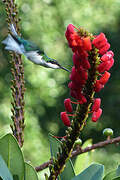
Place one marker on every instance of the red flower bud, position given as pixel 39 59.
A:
pixel 105 77
pixel 74 43
pixel 76 60
pixel 104 49
pixel 82 73
pixel 80 62
pixel 79 41
pixel 73 72
pixel 96 104
pixel 98 86
pixel 70 30
pixel 105 65
pixel 85 64
pixel 73 93
pixel 65 119
pixel 74 85
pixel 73 36
pixel 109 55
pixel 100 38
pixel 68 105
pixel 78 75
pixel 100 42
pixel 87 44
pixel 96 115
pixel 82 53
pixel 78 95
pixel 82 99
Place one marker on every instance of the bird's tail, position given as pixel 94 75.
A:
pixel 11 43
pixel 13 31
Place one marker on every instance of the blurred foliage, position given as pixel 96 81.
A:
pixel 44 22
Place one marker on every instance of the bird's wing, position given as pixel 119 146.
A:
pixel 53 61
pixel 28 45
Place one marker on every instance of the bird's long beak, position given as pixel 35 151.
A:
pixel 65 69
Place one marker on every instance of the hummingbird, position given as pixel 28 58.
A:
pixel 17 44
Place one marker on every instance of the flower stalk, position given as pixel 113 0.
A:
pixel 87 51
pixel 17 71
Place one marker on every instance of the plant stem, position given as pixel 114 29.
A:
pixel 17 71
pixel 78 122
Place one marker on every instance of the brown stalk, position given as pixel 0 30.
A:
pixel 17 71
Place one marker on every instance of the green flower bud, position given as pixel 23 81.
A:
pixel 78 142
pixel 107 132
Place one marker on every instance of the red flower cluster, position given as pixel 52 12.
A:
pixel 82 44
pixel 78 43
pixel 106 62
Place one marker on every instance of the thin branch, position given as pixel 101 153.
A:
pixel 43 166
pixel 81 151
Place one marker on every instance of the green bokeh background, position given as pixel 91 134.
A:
pixel 44 22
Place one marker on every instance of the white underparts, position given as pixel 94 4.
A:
pixel 38 59
pixel 54 66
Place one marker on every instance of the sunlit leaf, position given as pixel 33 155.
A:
pixel 30 173
pixel 12 155
pixel 93 172
pixel 4 171
pixel 112 174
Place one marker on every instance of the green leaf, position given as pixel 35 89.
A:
pixel 55 144
pixel 112 174
pixel 4 171
pixel 68 172
pixel 118 178
pixel 30 173
pixel 12 155
pixel 83 160
pixel 93 172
